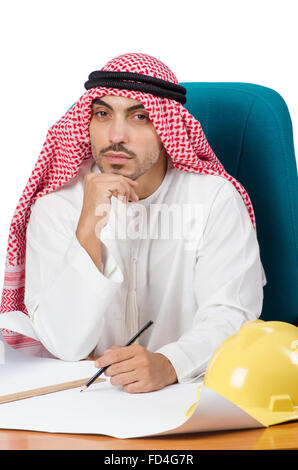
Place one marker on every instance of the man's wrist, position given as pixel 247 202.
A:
pixel 170 375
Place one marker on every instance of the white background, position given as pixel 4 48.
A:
pixel 48 48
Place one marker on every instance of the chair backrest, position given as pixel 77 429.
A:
pixel 250 130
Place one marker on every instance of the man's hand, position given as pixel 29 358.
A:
pixel 136 369
pixel 98 190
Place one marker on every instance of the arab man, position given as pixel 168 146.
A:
pixel 128 217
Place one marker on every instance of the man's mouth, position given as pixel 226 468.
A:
pixel 117 157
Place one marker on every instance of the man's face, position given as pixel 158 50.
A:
pixel 121 127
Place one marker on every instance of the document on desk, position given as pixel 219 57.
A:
pixel 104 408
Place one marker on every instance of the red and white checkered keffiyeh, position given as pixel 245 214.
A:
pixel 67 145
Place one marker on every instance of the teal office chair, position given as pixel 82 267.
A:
pixel 249 128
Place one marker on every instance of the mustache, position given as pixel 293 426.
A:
pixel 118 148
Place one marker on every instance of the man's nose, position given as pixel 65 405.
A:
pixel 118 131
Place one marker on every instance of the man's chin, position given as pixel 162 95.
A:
pixel 115 169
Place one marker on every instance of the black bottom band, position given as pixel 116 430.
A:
pixel 137 82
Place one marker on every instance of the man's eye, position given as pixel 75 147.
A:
pixel 99 113
pixel 142 116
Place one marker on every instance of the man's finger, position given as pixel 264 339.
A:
pixel 136 387
pixel 125 378
pixel 118 354
pixel 95 358
pixel 120 368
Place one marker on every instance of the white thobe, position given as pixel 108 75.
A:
pixel 198 285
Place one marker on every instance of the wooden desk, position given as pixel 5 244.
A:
pixel 284 436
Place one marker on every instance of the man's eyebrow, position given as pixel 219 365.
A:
pixel 103 103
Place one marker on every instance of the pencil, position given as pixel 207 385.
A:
pixel 90 381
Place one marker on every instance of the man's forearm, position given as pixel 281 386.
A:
pixel 92 245
pixel 67 312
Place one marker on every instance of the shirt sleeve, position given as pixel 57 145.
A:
pixel 65 293
pixel 228 285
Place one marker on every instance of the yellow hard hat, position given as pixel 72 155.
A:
pixel 257 369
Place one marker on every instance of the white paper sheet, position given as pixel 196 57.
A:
pixel 104 408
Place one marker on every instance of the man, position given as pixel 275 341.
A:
pixel 128 146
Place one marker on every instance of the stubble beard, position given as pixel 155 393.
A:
pixel 117 169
